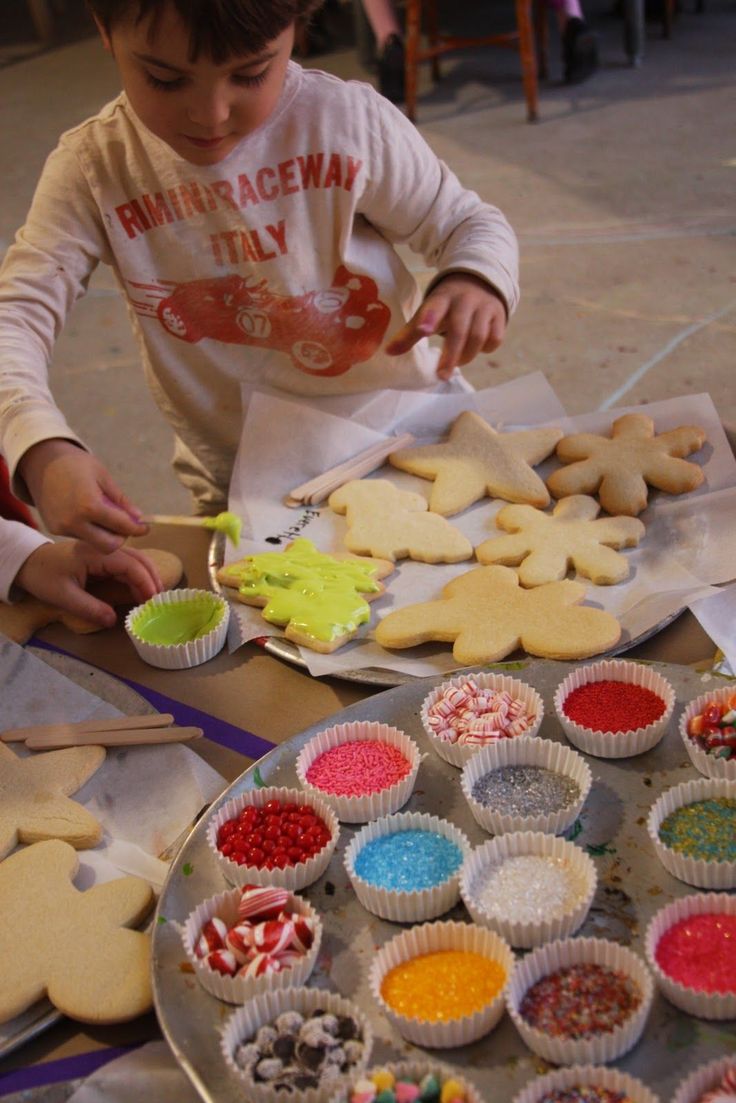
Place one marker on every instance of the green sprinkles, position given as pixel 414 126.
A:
pixel 704 829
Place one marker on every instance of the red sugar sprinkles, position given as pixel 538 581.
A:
pixel 358 768
pixel 700 952
pixel 613 706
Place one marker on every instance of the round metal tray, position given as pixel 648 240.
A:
pixel 632 885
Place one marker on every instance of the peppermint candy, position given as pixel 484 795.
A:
pixel 211 937
pixel 261 902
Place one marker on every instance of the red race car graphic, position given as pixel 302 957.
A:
pixel 324 332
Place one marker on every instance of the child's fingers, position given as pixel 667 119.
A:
pixel 496 334
pixel 149 579
pixel 71 597
pixel 425 322
pixel 134 570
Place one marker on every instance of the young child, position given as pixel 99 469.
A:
pixel 250 211
pixel 58 573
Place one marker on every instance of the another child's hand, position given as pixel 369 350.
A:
pixel 466 311
pixel 58 574
pixel 76 496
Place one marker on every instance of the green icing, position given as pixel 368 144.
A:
pixel 226 522
pixel 178 622
pixel 316 593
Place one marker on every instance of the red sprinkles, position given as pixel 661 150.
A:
pixel 358 768
pixel 580 1001
pixel 610 706
pixel 700 952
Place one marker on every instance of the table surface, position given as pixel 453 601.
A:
pixel 257 693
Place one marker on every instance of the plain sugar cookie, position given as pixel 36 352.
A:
pixel 543 546
pixel 486 615
pixel 396 524
pixel 618 468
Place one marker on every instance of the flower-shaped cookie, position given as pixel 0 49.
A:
pixel 476 461
pixel 545 545
pixel 619 467
pixel 34 797
pixel 487 615
pixel 395 524
pixel 69 945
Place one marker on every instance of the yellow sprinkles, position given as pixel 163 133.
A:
pixel 443 985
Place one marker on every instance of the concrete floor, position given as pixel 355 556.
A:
pixel 622 196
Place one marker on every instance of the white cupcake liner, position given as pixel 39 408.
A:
pixel 701 872
pixel 704 763
pixel 583 1075
pixel 601 1048
pixel 413 1070
pixel 528 934
pixel 417 905
pixel 180 656
pixel 292 878
pixel 704 1005
pixel 361 809
pixel 244 1023
pixel 457 754
pixel 240 989
pixel 703 1079
pixel 526 752
pixel 615 744
pixel 431 938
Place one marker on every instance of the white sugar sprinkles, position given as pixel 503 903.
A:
pixel 529 888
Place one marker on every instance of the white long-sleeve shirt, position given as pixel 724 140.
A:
pixel 275 266
pixel 17 541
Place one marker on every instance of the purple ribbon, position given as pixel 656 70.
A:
pixel 56 1072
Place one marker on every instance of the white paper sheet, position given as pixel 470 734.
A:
pixel 686 551
pixel 717 615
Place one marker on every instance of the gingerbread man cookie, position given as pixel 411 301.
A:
pixel 395 524
pixel 69 945
pixel 545 545
pixel 486 615
pixel 34 797
pixel 619 467
pixel 476 461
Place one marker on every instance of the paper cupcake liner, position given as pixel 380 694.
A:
pixel 700 872
pixel 240 989
pixel 414 1070
pixel 361 809
pixel 601 1048
pixel 417 905
pixel 458 754
pixel 615 744
pixel 704 763
pixel 528 934
pixel 704 1005
pixel 526 752
pixel 704 1079
pixel 263 1009
pixel 583 1075
pixel 180 656
pixel 430 938
pixel 292 878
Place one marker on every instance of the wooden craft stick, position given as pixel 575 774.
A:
pixel 319 488
pixel 172 519
pixel 131 737
pixel 119 723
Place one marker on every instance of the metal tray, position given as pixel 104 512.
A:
pixel 370 675
pixel 633 885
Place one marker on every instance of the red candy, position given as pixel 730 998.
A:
pixel 260 902
pixel 212 937
pixel 273 936
pixel 222 961
pixel 239 941
pixel 274 836
pixel 303 935
pixel 714 729
pixel 259 965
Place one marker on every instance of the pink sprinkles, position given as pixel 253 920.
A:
pixel 358 768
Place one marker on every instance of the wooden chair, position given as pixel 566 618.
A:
pixel 521 39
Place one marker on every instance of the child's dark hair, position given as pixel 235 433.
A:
pixel 220 29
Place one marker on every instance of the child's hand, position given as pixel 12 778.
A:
pixel 76 495
pixel 58 574
pixel 466 311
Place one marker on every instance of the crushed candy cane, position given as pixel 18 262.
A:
pixel 469 715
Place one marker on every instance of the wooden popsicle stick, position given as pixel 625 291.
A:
pixel 119 723
pixel 319 488
pixel 131 737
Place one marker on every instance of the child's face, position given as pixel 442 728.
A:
pixel 200 109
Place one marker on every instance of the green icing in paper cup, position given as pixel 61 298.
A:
pixel 178 622
pixel 180 628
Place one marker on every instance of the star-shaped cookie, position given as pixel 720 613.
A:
pixel 545 545
pixel 619 467
pixel 486 615
pixel 34 797
pixel 395 524
pixel 476 461
pixel 69 945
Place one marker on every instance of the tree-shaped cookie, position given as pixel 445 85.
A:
pixel 619 467
pixel 395 524
pixel 69 945
pixel 34 797
pixel 486 614
pixel 476 461
pixel 545 545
